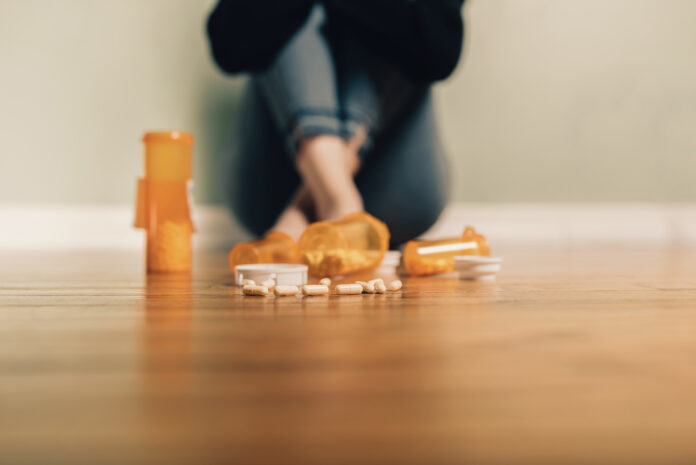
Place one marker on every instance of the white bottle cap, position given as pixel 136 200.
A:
pixel 282 273
pixel 477 267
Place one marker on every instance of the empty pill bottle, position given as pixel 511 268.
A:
pixel 274 247
pixel 164 201
pixel 356 242
pixel 425 257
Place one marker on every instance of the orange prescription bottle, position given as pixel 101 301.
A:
pixel 356 242
pixel 274 247
pixel 437 256
pixel 164 201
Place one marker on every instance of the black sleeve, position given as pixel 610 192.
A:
pixel 245 35
pixel 422 37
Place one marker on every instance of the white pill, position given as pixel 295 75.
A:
pixel 380 288
pixel 325 281
pixel 286 290
pixel 367 287
pixel 375 281
pixel 247 282
pixel 269 283
pixel 348 289
pixel 315 289
pixel 255 290
pixel 395 285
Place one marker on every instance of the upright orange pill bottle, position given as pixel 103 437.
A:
pixel 356 242
pixel 163 206
pixel 437 256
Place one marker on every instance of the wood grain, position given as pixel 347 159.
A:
pixel 572 356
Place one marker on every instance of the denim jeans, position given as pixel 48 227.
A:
pixel 322 82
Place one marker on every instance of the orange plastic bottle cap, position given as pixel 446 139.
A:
pixel 168 136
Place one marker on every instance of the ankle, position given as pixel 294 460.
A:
pixel 324 163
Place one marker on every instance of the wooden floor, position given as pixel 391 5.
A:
pixel 573 356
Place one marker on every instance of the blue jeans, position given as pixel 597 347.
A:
pixel 324 83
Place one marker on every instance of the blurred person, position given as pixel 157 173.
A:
pixel 337 115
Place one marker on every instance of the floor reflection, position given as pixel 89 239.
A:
pixel 166 349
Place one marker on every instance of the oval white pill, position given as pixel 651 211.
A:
pixel 368 288
pixel 325 281
pixel 247 282
pixel 315 289
pixel 348 289
pixel 286 290
pixel 380 288
pixel 255 290
pixel 269 283
pixel 395 285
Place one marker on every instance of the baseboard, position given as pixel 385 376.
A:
pixel 99 227
pixel 42 227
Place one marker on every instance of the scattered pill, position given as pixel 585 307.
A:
pixel 315 289
pixel 282 291
pixel 255 290
pixel 367 287
pixel 348 289
pixel 374 286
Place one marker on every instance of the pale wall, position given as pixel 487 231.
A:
pixel 555 99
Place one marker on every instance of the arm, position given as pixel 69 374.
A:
pixel 423 37
pixel 245 35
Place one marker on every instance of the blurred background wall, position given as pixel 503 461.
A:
pixel 555 100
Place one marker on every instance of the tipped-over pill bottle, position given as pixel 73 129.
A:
pixel 274 247
pixel 437 256
pixel 356 242
pixel 164 201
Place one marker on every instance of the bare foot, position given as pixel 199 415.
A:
pixel 292 222
pixel 296 216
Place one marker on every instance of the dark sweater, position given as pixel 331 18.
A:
pixel 421 37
